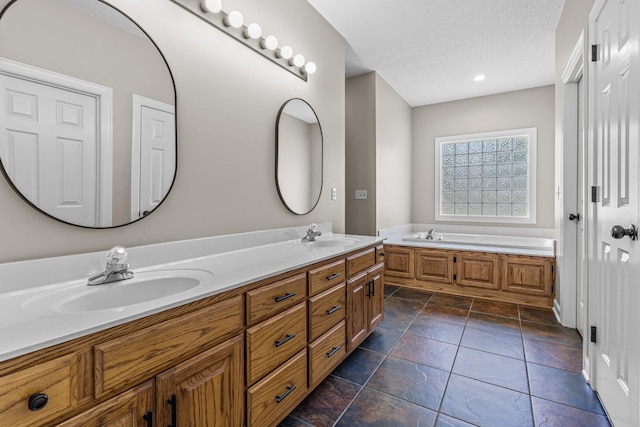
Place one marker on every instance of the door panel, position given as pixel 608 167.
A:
pixel 616 288
pixel 49 143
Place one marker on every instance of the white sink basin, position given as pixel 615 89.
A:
pixel 331 242
pixel 142 288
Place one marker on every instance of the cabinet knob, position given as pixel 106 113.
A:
pixel 38 401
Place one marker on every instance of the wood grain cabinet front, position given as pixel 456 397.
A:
pixel 133 408
pixel 435 266
pixel 399 262
pixel 125 361
pixel 326 353
pixel 477 270
pixel 275 297
pixel 275 340
pixel 206 390
pixel 271 399
pixel 326 276
pixel 38 394
pixel 326 309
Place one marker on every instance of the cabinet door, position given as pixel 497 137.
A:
pixel 206 390
pixel 527 275
pixel 375 301
pixel 399 262
pixel 356 310
pixel 132 408
pixel 434 265
pixel 477 270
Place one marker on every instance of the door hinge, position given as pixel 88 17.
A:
pixel 593 334
pixel 454 259
pixel 594 194
pixel 594 53
pixel 454 277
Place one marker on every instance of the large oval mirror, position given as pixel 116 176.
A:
pixel 298 156
pixel 87 115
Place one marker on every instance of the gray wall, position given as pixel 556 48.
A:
pixel 393 157
pixel 228 98
pixel 511 110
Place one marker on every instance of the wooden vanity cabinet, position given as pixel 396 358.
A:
pixel 517 279
pixel 247 356
pixel 365 301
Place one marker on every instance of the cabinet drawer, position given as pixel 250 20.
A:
pixel 56 379
pixel 271 399
pixel 276 297
pixel 360 262
pixel 327 352
pixel 126 361
pixel 273 341
pixel 326 309
pixel 324 277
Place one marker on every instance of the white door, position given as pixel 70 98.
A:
pixel 48 147
pixel 155 149
pixel 581 236
pixel 616 287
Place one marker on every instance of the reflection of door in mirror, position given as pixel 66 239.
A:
pixel 90 41
pixel 153 156
pixel 50 144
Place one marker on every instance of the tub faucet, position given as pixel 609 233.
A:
pixel 117 268
pixel 312 233
pixel 430 234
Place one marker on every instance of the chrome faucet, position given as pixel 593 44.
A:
pixel 312 233
pixel 430 234
pixel 117 268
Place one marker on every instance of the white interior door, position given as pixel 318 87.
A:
pixel 581 236
pixel 616 288
pixel 49 147
pixel 154 157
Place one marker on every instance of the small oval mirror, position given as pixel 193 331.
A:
pixel 87 112
pixel 298 156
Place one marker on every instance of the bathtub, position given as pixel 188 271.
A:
pixel 459 239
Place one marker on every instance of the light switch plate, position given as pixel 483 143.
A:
pixel 361 194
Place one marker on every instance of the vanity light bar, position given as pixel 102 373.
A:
pixel 250 35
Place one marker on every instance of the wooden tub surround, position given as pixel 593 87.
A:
pixel 520 279
pixel 247 356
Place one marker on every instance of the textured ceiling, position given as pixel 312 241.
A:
pixel 430 50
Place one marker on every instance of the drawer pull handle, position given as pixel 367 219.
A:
pixel 38 401
pixel 148 417
pixel 334 351
pixel 174 411
pixel 333 276
pixel 284 340
pixel 285 296
pixel 334 309
pixel 285 394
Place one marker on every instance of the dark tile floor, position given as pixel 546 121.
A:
pixel 442 360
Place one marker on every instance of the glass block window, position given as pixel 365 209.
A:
pixel 488 177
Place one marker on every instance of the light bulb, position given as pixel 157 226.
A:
pixel 212 6
pixel 285 52
pixel 253 31
pixel 309 68
pixel 297 60
pixel 270 42
pixel 234 19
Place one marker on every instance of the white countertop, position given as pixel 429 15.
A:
pixel 26 327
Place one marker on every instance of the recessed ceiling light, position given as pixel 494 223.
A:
pixel 479 78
